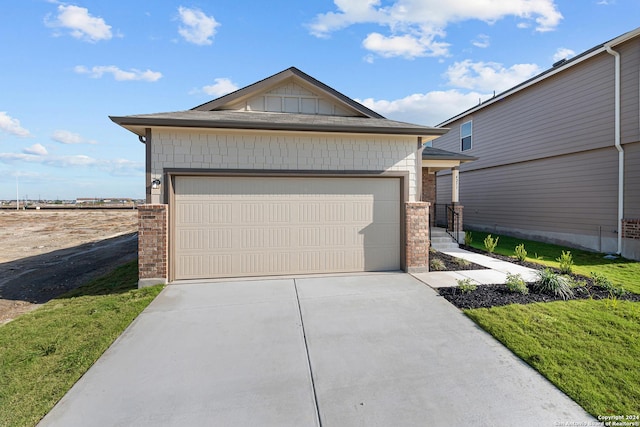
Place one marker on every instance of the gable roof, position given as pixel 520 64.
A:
pixel 558 67
pixel 279 78
pixel 222 113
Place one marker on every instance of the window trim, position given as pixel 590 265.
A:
pixel 470 136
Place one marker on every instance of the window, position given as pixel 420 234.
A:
pixel 465 136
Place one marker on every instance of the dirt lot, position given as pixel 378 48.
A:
pixel 47 252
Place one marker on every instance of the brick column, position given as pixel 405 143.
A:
pixel 152 245
pixel 631 229
pixel 429 192
pixel 417 237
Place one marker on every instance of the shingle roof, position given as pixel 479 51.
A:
pixel 273 121
pixel 430 153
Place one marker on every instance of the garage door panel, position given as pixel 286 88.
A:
pixel 231 226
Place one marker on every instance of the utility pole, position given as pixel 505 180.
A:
pixel 17 194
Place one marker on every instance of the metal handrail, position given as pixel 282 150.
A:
pixel 453 222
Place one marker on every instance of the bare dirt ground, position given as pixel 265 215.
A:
pixel 44 253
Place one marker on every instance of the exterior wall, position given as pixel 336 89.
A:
pixel 152 245
pixel 417 237
pixel 547 166
pixel 632 180
pixel 569 199
pixel 277 151
pixel 571 111
pixel 630 91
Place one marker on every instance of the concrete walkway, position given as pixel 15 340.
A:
pixel 355 350
pixel 496 274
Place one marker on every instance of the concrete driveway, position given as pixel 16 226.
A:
pixel 356 350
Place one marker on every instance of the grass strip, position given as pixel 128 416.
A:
pixel 44 352
pixel 620 271
pixel 590 349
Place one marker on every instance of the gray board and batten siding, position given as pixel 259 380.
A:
pixel 547 167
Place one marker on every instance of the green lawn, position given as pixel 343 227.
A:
pixel 620 271
pixel 589 349
pixel 44 352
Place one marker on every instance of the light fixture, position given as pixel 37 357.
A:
pixel 155 184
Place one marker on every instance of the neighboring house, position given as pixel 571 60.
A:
pixel 285 176
pixel 558 155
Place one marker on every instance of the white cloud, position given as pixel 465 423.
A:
pixel 488 76
pixel 482 41
pixel 426 108
pixel 197 28
pixel 81 24
pixel 407 46
pixel 11 125
pixel 118 74
pixel 413 24
pixel 66 137
pixel 36 149
pixel 222 86
pixel 563 53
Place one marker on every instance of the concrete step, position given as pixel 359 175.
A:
pixel 441 240
pixel 444 247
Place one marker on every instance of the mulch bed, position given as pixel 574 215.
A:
pixel 452 263
pixel 486 296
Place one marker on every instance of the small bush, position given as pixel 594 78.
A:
pixel 462 262
pixel 466 285
pixel 515 283
pixel 437 264
pixel 553 283
pixel 490 243
pixel 468 238
pixel 566 262
pixel 432 250
pixel 521 252
pixel 603 282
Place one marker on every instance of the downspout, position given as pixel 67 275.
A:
pixel 617 144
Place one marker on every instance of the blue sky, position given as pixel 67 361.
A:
pixel 66 66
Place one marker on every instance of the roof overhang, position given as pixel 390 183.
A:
pixel 275 122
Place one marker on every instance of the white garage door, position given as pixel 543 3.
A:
pixel 249 226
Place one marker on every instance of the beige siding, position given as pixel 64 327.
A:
pixel 630 114
pixel 292 98
pixel 240 226
pixel 275 151
pixel 567 112
pixel 574 194
pixel 632 180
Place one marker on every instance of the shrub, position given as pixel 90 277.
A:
pixel 466 285
pixel 521 252
pixel 553 283
pixel 468 238
pixel 462 262
pixel 603 282
pixel 515 283
pixel 490 243
pixel 437 264
pixel 566 262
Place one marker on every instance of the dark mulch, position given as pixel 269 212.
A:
pixel 452 263
pixel 486 296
